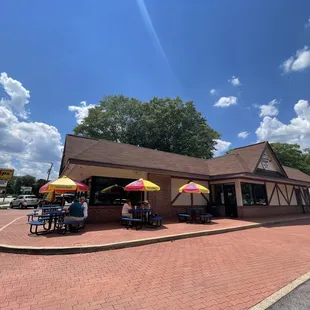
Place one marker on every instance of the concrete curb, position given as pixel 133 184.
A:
pixel 132 243
pixel 272 299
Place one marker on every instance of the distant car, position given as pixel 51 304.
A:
pixel 24 201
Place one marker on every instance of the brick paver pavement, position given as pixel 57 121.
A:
pixel 6 216
pixel 228 271
pixel 18 232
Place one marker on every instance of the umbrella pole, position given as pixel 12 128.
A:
pixel 192 200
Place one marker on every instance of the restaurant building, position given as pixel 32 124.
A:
pixel 249 182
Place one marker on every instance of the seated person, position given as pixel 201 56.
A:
pixel 76 212
pixel 126 208
pixel 146 205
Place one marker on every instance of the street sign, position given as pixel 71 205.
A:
pixel 3 183
pixel 6 174
pixel 26 189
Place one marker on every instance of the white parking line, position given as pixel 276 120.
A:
pixel 5 226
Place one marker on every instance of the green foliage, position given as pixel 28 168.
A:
pixel 292 156
pixel 165 124
pixel 15 184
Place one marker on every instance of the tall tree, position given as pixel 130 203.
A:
pixel 164 124
pixel 292 156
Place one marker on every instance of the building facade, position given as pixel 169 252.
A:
pixel 249 182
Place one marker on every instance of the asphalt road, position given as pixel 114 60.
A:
pixel 298 299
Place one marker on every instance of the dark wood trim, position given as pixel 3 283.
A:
pixel 283 195
pixel 288 199
pixel 302 195
pixel 175 198
pixel 271 196
pixel 178 194
pixel 205 197
pixel 247 176
pixel 182 175
pixel 277 188
pixel 293 191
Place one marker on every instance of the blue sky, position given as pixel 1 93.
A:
pixel 67 52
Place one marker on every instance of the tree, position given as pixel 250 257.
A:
pixel 15 184
pixel 39 183
pixel 292 156
pixel 165 124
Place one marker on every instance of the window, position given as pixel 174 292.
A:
pixel 110 192
pixel 253 194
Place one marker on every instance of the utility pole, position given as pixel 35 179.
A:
pixel 49 171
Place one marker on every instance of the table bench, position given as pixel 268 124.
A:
pixel 36 224
pixel 205 218
pixel 184 217
pixel 30 216
pixel 63 227
pixel 138 223
pixel 157 221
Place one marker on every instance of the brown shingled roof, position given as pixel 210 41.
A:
pixel 227 164
pixel 250 154
pixel 296 174
pixel 108 152
pixel 241 160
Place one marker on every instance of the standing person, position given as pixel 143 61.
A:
pixel 147 206
pixel 85 206
pixel 126 208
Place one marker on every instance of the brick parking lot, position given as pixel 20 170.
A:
pixel 230 271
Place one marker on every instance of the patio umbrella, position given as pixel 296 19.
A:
pixel 111 188
pixel 193 188
pixel 63 184
pixel 142 186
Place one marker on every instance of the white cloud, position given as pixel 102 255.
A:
pixel 221 147
pixel 297 131
pixel 268 109
pixel 80 111
pixel 213 92
pixel 243 134
pixel 307 25
pixel 18 96
pixel 24 144
pixel 226 102
pixel 299 62
pixel 234 81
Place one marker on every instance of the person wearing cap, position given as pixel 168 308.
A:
pixel 85 206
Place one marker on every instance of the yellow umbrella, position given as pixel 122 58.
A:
pixel 109 188
pixel 63 184
pixel 193 188
pixel 143 186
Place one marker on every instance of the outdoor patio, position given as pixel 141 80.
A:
pixel 17 232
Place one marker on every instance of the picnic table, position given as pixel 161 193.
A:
pixel 195 214
pixel 143 214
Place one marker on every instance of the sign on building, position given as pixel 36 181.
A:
pixel 6 174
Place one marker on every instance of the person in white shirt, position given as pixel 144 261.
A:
pixel 85 206
pixel 126 208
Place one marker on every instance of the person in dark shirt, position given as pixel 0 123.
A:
pixel 76 212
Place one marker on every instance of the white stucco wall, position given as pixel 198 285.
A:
pixel 272 163
pixel 269 187
pixel 289 190
pixel 282 200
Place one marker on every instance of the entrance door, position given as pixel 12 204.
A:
pixel 230 200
